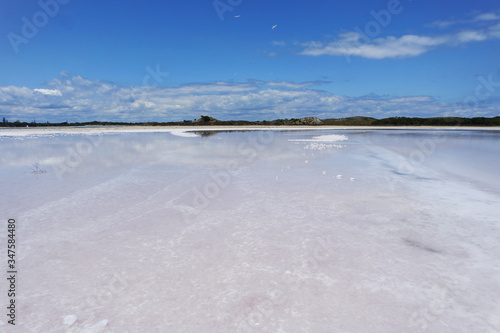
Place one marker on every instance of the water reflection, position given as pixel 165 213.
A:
pixel 371 215
pixel 83 154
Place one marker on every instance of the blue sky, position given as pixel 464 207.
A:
pixel 239 59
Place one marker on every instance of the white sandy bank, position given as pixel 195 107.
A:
pixel 184 130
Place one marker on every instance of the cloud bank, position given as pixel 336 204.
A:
pixel 485 26
pixel 75 98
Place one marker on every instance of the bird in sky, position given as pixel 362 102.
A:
pixel 274 26
pixel 237 15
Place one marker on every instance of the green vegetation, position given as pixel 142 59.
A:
pixel 310 121
pixel 438 121
pixel 350 121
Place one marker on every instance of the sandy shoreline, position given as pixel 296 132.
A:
pixel 178 130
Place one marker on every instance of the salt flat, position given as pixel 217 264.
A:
pixel 199 230
pixel 30 131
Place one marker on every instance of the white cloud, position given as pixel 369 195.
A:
pixel 81 81
pixel 9 92
pixel 355 44
pixel 495 31
pixel 50 92
pixel 443 24
pixel 487 17
pixel 350 44
pixel 412 99
pixel 287 84
pixel 469 36
pixel 142 104
pixel 87 100
pixel 481 17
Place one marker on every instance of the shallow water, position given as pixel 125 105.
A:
pixel 256 231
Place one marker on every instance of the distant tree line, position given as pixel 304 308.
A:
pixel 349 121
pixel 437 121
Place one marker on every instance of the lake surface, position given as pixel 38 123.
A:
pixel 254 231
